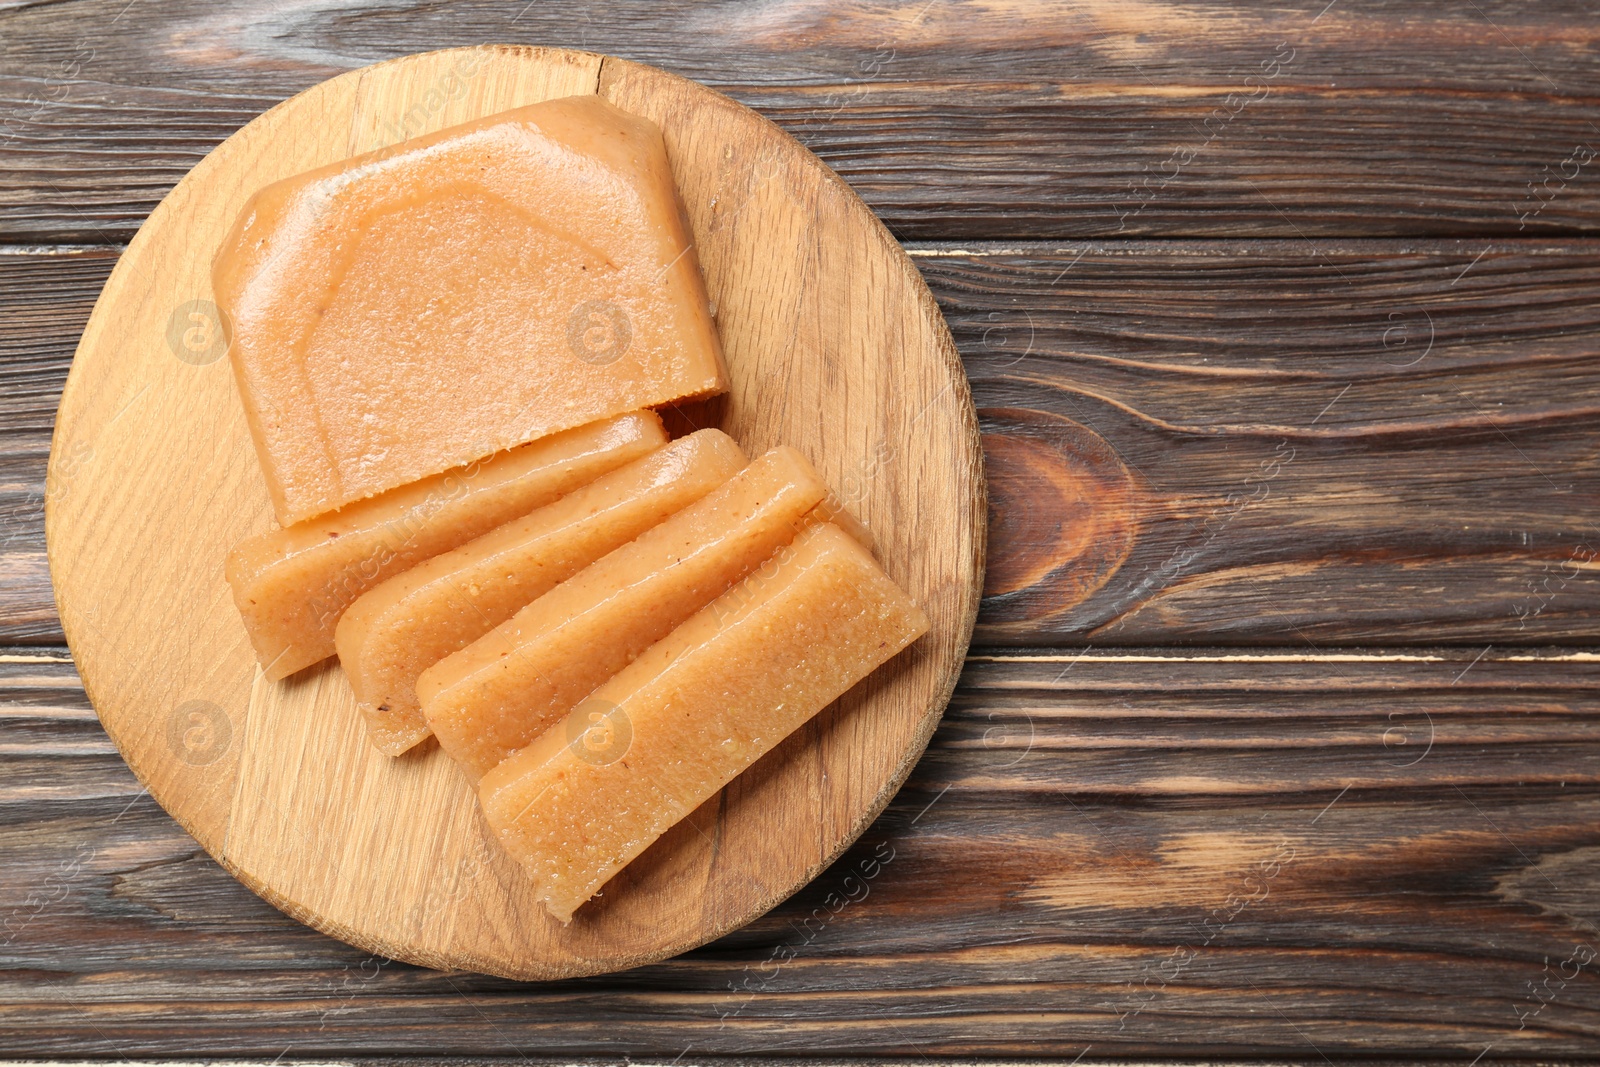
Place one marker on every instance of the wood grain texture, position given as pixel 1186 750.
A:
pixel 277 779
pixel 1198 441
pixel 952 118
pixel 45 298
pixel 1141 853
pixel 1279 447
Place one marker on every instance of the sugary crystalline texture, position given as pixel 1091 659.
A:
pixel 503 690
pixel 292 585
pixel 691 713
pixel 413 309
pixel 397 630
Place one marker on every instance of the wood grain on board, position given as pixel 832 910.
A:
pixel 1187 441
pixel 951 117
pixel 1209 852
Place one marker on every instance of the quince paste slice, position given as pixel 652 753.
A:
pixel 292 585
pixel 503 690
pixel 407 624
pixel 685 718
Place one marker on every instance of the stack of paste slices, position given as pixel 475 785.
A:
pixel 448 352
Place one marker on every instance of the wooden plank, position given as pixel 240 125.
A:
pixel 1369 899
pixel 953 118
pixel 46 295
pixel 45 298
pixel 1301 442
pixel 1291 442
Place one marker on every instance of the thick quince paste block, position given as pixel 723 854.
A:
pixel 410 310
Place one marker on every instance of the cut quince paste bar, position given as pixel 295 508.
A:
pixel 397 630
pixel 415 308
pixel 502 691
pixel 692 712
pixel 292 585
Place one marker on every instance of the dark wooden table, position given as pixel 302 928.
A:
pixel 1279 737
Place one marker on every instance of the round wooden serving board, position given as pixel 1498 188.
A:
pixel 834 345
